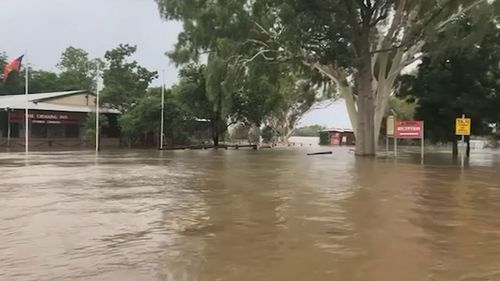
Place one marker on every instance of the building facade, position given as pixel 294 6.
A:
pixel 54 119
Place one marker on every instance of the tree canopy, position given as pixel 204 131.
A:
pixel 361 46
pixel 464 80
pixel 125 81
pixel 78 71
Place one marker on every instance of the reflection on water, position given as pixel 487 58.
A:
pixel 247 215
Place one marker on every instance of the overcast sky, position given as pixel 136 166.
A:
pixel 46 27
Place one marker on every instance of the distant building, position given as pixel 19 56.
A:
pixel 337 136
pixel 55 119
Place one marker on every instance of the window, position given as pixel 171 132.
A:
pixel 55 130
pixel 38 130
pixel 72 131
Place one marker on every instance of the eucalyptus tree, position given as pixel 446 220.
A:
pixel 360 45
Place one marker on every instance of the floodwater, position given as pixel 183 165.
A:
pixel 270 215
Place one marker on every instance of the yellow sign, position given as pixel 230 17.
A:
pixel 462 127
pixel 390 126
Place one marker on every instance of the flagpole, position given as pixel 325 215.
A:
pixel 97 112
pixel 162 109
pixel 26 90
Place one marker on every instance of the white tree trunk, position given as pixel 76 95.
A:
pixel 347 94
pixel 254 134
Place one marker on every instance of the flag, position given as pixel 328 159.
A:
pixel 14 65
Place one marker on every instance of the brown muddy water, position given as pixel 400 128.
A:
pixel 271 215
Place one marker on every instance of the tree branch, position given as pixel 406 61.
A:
pixel 437 13
pixel 404 65
pixel 258 42
pixel 460 11
pixel 352 16
pixel 263 29
pixel 395 25
pixel 364 8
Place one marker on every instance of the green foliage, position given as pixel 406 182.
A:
pixel 296 97
pixel 192 93
pixel 125 82
pixel 194 97
pixel 90 126
pixel 78 72
pixel 178 126
pixel 142 118
pixel 44 81
pixel 466 80
pixel 404 108
pixel 268 134
pixel 324 138
pixel 240 86
pixel 368 41
pixel 260 93
pixel 309 131
pixel 240 132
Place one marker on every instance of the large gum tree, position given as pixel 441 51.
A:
pixel 360 45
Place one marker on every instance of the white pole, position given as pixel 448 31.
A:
pixel 422 144
pixel 395 135
pixel 462 152
pixel 26 111
pixel 97 111
pixel 162 121
pixel 395 146
pixel 463 147
pixel 387 145
pixel 8 127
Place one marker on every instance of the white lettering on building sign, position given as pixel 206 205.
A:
pixel 48 116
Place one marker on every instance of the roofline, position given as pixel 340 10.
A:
pixel 345 130
pixel 67 94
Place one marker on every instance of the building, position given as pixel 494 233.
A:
pixel 55 119
pixel 336 136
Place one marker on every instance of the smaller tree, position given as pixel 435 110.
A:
pixel 297 98
pixel 309 131
pixel 142 121
pixel 44 81
pixel 192 92
pixel 125 82
pixel 78 71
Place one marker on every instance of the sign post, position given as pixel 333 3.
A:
pixel 411 130
pixel 462 128
pixel 390 132
pixel 422 144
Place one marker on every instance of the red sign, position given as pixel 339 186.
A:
pixel 409 129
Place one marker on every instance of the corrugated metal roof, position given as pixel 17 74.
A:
pixel 340 130
pixel 38 101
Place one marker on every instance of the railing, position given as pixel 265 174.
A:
pixel 35 142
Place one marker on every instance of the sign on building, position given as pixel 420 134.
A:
pixel 462 126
